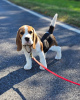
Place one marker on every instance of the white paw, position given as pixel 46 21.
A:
pixel 57 57
pixel 27 67
pixel 41 68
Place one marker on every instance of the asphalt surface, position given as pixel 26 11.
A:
pixel 35 84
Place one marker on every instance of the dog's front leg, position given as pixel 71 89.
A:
pixel 42 60
pixel 28 64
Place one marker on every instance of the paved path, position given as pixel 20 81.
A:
pixel 18 84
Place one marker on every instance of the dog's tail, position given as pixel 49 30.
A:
pixel 52 25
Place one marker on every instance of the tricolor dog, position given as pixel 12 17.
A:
pixel 28 40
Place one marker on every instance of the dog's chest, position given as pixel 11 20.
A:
pixel 36 51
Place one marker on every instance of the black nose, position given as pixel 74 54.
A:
pixel 27 39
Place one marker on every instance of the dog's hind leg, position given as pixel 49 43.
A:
pixel 58 50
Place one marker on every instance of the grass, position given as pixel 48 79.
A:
pixel 68 10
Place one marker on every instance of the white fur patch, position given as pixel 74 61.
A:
pixel 26 34
pixel 53 22
pixel 58 50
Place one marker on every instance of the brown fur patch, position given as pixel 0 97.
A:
pixel 41 45
pixel 30 28
pixel 18 42
pixel 54 41
pixel 35 40
pixel 18 38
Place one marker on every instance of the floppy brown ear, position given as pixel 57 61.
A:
pixel 18 42
pixel 35 39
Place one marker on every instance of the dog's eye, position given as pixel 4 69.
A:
pixel 21 33
pixel 30 32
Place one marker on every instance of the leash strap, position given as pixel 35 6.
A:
pixel 53 72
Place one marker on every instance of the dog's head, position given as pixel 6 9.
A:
pixel 26 36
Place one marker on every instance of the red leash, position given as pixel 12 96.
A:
pixel 54 73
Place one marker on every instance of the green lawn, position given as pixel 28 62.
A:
pixel 68 10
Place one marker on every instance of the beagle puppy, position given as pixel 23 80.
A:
pixel 28 40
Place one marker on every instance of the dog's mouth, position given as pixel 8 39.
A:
pixel 28 48
pixel 28 44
